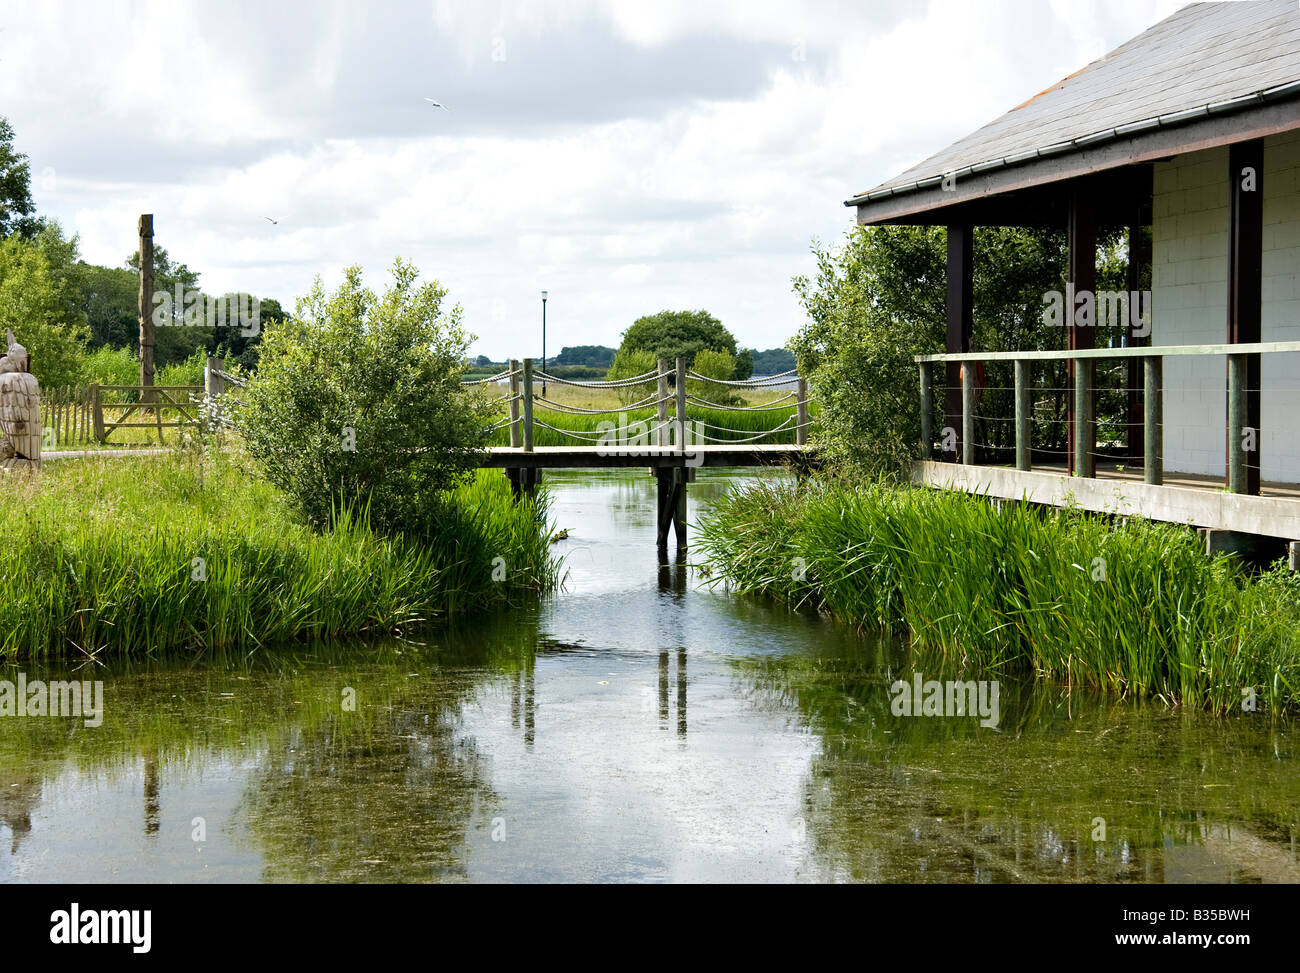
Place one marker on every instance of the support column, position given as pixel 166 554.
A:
pixel 1245 295
pixel 1024 416
pixel 1153 405
pixel 927 409
pixel 1082 276
pixel 959 317
pixel 1139 260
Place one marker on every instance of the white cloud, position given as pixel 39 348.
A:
pixel 664 196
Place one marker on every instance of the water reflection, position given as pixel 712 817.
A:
pixel 555 744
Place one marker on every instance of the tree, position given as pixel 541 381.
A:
pixel 16 206
pixel 879 300
pixel 34 305
pixel 357 402
pixel 673 334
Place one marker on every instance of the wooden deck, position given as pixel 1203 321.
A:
pixel 1183 498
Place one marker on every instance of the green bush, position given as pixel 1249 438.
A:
pixel 112 366
pixel 187 372
pixel 357 402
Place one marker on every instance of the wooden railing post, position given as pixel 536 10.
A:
pixel 968 413
pixel 1153 419
pixel 1237 422
pixel 214 384
pixel 927 409
pixel 1024 413
pixel 1085 459
pixel 661 415
pixel 680 418
pixel 514 403
pixel 528 405
pixel 801 413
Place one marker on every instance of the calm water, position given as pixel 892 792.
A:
pixel 634 727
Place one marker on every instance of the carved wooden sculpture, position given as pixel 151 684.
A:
pixel 20 410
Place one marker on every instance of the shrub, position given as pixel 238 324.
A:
pixel 357 401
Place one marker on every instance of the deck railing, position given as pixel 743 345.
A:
pixel 1084 391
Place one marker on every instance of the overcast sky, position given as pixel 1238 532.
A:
pixel 627 156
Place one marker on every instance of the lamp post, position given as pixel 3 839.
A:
pixel 543 344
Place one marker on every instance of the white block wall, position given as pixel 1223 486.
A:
pixel 1190 305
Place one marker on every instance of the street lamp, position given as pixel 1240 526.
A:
pixel 543 344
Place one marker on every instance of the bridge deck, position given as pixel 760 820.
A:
pixel 666 457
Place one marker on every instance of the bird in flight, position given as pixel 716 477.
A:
pixel 437 104
pixel 275 222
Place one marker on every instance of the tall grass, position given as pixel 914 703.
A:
pixel 1131 607
pixel 188 551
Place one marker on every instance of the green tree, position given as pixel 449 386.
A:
pixel 879 300
pixel 357 401
pixel 673 334
pixel 34 305
pixel 16 206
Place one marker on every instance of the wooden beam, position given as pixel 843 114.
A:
pixel 959 311
pixel 1245 295
pixel 1024 415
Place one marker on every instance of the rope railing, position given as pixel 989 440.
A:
pixel 672 401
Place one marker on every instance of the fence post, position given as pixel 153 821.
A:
pixel 1085 460
pixel 927 409
pixel 681 403
pixel 1237 412
pixel 528 405
pixel 661 417
pixel 1153 419
pixel 1024 409
pixel 214 384
pixel 801 427
pixel 514 403
pixel 97 412
pixel 968 413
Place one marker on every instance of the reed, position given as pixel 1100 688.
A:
pixel 1128 606
pixel 182 551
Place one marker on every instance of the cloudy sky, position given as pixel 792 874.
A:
pixel 626 156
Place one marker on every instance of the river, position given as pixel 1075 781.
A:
pixel 633 727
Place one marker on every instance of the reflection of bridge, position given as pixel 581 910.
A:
pixel 645 435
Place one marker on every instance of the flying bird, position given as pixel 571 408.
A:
pixel 437 104
pixel 275 222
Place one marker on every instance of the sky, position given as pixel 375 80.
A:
pixel 627 157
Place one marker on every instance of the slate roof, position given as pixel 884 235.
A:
pixel 1205 59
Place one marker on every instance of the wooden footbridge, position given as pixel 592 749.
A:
pixel 642 433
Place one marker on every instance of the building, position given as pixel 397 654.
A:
pixel 1192 129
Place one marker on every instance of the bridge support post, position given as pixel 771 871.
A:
pixel 670 509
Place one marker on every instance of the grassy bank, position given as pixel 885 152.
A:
pixel 1132 607
pixel 181 552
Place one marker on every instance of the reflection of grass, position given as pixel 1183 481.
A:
pixel 894 798
pixel 386 790
pixel 183 551
pixel 1133 607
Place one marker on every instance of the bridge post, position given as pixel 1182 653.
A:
pixel 661 418
pixel 680 404
pixel 528 475
pixel 801 423
pixel 514 403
